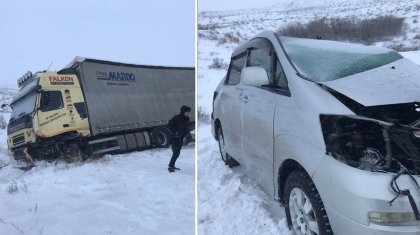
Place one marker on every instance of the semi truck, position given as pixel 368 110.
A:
pixel 94 107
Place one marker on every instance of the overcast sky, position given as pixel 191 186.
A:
pixel 223 5
pixel 35 33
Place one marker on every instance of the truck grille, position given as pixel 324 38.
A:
pixel 18 139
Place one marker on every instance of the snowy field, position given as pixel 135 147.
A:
pixel 230 201
pixel 121 194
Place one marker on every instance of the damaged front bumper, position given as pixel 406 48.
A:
pixel 20 158
pixel 358 201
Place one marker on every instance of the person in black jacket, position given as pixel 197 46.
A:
pixel 179 126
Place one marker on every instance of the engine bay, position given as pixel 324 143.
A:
pixel 371 145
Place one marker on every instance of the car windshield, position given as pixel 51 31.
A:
pixel 322 60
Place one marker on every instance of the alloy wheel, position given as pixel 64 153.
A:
pixel 302 213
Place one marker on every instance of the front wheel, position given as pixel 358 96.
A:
pixel 230 161
pixel 305 210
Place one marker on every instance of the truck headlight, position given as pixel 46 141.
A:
pixel 393 218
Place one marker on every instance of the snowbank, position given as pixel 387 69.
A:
pixel 229 201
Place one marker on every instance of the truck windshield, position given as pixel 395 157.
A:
pixel 24 105
pixel 322 60
pixel 24 102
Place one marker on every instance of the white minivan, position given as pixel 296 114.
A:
pixel 329 129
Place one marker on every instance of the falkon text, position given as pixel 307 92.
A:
pixel 61 80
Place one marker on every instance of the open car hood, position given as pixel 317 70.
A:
pixel 397 82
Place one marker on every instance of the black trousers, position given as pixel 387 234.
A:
pixel 176 150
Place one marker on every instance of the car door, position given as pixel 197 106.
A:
pixel 259 107
pixel 231 107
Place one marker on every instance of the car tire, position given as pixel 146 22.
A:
pixel 161 137
pixel 305 210
pixel 229 160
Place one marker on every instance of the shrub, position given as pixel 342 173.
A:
pixel 3 123
pixel 218 63
pixel 228 38
pixel 203 116
pixel 13 188
pixel 401 47
pixel 355 30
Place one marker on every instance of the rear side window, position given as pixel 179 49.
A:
pixel 51 100
pixel 235 68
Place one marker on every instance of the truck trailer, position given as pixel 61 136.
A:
pixel 93 107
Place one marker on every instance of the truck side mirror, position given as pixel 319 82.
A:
pixel 254 76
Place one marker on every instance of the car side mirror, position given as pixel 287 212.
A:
pixel 254 76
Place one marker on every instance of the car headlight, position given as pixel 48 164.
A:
pixel 393 218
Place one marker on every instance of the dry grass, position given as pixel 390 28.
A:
pixel 365 31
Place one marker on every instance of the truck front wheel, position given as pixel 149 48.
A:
pixel 72 152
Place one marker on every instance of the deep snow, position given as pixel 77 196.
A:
pixel 119 194
pixel 230 202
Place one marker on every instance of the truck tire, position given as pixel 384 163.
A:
pixel 161 137
pixel 229 160
pixel 305 210
pixel 72 152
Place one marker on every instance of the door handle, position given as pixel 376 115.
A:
pixel 245 98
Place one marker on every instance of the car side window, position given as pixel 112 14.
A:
pixel 280 79
pixel 261 57
pixel 51 100
pixel 236 65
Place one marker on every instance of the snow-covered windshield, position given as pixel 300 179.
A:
pixel 24 105
pixel 322 60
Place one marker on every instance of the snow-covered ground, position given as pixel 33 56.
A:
pixel 213 25
pixel 119 194
pixel 230 201
pixel 122 194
